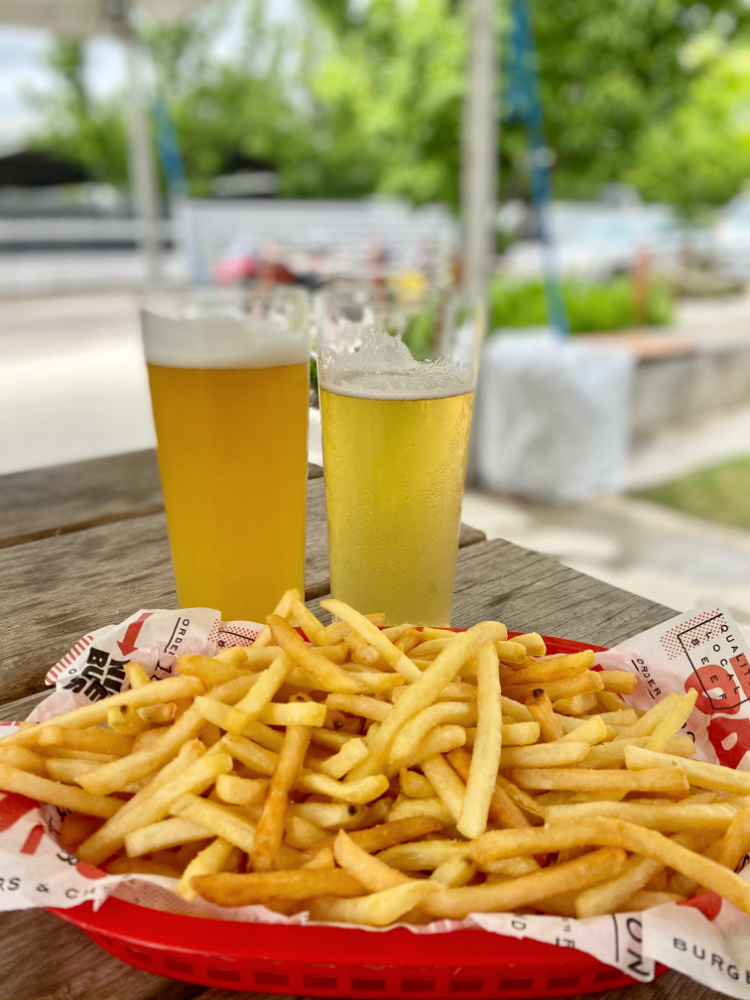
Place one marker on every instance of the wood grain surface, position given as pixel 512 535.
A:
pixel 66 498
pixel 55 590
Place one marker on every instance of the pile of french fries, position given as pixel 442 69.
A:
pixel 372 775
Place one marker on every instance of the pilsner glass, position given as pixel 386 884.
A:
pixel 395 424
pixel 229 379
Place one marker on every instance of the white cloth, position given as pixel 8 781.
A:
pixel 552 416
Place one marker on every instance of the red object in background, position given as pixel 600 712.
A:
pixel 236 269
pixel 344 962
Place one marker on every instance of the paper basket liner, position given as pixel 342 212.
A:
pixel 707 938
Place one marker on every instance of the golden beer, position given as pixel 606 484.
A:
pixel 394 475
pixel 233 462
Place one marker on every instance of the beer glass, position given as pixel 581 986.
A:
pixel 229 379
pixel 396 393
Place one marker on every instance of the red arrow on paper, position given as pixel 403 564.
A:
pixel 131 634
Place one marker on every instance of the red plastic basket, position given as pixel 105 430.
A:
pixel 343 962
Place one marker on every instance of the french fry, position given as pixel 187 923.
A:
pixel 567 687
pixel 235 656
pixel 409 736
pixel 359 704
pixel 169 689
pixel 56 793
pixel 332 815
pixel 502 809
pixel 361 651
pixel 328 675
pixel 556 754
pixel 260 751
pixel 609 896
pixel 341 763
pixel 357 792
pixel 555 669
pixel 434 807
pixel 282 610
pixel 171 832
pixel 153 803
pixel 383 835
pixel 485 759
pixel 677 816
pixel 26 760
pixel 532 643
pixel 114 776
pixel 454 872
pixel 75 828
pixel 141 866
pixel 270 828
pixel 415 785
pixel 451 790
pixel 590 731
pixel 301 833
pixel 313 629
pixel 309 713
pixel 442 739
pixel 421 692
pixel 528 889
pixel 260 694
pixel 736 840
pixel 540 706
pixel 374 637
pixel 722 779
pixel 424 854
pixel 97 740
pixel 672 723
pixel 237 791
pixel 216 857
pixel 578 704
pixel 221 821
pixel 372 872
pixel 229 889
pixel 156 715
pixel 376 910
pixel 663 779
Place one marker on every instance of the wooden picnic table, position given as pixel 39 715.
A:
pixel 85 545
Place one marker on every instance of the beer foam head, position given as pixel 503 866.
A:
pixel 199 337
pixel 382 367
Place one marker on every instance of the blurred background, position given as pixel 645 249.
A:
pixel 321 142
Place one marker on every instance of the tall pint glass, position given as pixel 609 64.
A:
pixel 229 379
pixel 397 389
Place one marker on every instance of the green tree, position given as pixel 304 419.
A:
pixel 76 128
pixel 390 95
pixel 700 154
pixel 353 98
pixel 609 71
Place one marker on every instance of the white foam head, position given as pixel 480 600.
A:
pixel 217 333
pixel 382 367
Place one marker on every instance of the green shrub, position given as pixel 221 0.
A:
pixel 591 307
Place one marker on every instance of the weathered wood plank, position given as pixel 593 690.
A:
pixel 45 958
pixel 43 501
pixel 531 592
pixel 55 590
pixel 72 497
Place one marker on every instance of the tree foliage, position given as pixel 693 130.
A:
pixel 700 154
pixel 352 98
pixel 611 71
